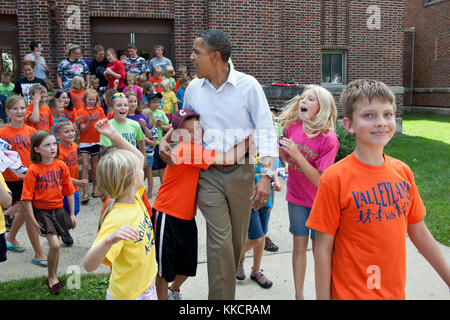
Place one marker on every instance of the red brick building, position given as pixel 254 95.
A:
pixel 328 42
pixel 427 53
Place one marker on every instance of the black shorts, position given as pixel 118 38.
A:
pixel 16 190
pixel 3 247
pixel 158 163
pixel 93 150
pixel 176 246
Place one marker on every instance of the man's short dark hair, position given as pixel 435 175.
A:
pixel 34 44
pixel 216 40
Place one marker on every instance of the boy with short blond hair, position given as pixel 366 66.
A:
pixel 66 134
pixel 366 205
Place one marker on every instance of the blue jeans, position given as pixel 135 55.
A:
pixel 298 215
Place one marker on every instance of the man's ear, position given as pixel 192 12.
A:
pixel 348 125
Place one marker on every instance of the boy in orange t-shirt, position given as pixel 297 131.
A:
pixel 39 116
pixel 65 132
pixel 157 78
pixel 366 205
pixel 175 205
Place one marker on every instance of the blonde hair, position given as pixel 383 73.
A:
pixel 322 122
pixel 35 87
pixel 132 76
pixel 116 174
pixel 149 114
pixel 165 85
pixel 77 84
pixel 169 69
pixel 93 92
pixel 357 91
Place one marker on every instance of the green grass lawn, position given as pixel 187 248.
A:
pixel 425 147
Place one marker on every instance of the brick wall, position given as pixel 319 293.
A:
pixel 431 50
pixel 272 39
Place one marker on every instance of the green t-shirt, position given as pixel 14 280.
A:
pixel 8 90
pixel 130 130
pixel 160 115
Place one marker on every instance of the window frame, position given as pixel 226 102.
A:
pixel 344 66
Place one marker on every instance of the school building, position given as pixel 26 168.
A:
pixel 322 42
pixel 427 53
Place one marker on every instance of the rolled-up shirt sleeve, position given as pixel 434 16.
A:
pixel 260 115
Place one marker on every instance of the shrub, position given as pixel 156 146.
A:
pixel 346 143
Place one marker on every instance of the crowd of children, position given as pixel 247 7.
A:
pixel 153 251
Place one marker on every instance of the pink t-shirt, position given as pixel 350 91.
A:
pixel 320 152
pixel 136 89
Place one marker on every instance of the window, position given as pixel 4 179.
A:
pixel 6 59
pixel 429 1
pixel 333 67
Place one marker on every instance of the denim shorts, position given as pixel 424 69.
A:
pixel 259 222
pixel 298 215
pixel 149 160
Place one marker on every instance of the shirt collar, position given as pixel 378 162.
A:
pixel 232 78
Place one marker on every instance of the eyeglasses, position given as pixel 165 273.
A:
pixel 118 95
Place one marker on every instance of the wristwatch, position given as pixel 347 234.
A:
pixel 267 172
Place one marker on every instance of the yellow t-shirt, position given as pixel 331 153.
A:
pixel 133 263
pixel 2 217
pixel 168 100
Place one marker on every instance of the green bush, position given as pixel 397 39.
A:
pixel 346 143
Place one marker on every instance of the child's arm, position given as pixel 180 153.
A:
pixel 71 202
pixel 234 154
pixel 423 240
pixel 322 256
pixel 141 146
pixel 95 255
pixel 34 116
pixel 80 183
pixel 151 142
pixel 29 216
pixel 104 127
pixel 5 197
pixel 288 146
pixel 85 126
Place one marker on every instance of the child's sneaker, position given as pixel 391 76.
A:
pixel 174 295
pixel 240 275
pixel 261 279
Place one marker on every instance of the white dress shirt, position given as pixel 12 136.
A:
pixel 232 112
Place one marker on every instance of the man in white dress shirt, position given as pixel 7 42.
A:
pixel 232 105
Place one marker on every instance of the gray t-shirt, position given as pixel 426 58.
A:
pixel 163 63
pixel 39 70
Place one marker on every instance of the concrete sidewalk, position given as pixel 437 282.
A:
pixel 422 281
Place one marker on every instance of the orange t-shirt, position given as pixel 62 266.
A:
pixel 70 114
pixel 176 196
pixel 19 139
pixel 45 118
pixel 70 157
pixel 157 83
pixel 90 135
pixel 46 185
pixel 77 99
pixel 368 210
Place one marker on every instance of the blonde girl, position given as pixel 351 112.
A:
pixel 169 99
pixel 45 185
pixel 89 139
pixel 125 239
pixel 77 92
pixel 309 146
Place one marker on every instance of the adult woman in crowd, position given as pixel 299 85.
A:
pixel 72 66
pixel 115 71
pixel 23 85
pixel 159 60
